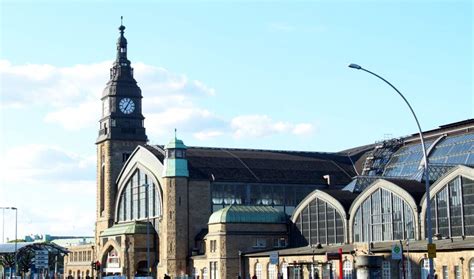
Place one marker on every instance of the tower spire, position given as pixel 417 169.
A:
pixel 121 68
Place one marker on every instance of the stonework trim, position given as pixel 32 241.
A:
pixel 322 196
pixel 123 183
pixel 439 184
pixel 111 243
pixel 146 158
pixel 329 200
pixel 389 186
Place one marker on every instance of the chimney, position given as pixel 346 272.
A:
pixel 327 177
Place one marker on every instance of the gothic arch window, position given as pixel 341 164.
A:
pixel 205 273
pixel 140 197
pixel 452 208
pixel 319 221
pixel 383 216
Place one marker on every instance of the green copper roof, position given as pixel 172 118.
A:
pixel 127 228
pixel 175 144
pixel 247 214
pixel 176 167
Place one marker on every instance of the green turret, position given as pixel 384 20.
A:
pixel 175 163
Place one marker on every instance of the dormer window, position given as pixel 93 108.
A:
pixel 179 153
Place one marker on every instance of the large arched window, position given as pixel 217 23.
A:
pixel 383 216
pixel 452 208
pixel 320 222
pixel 140 198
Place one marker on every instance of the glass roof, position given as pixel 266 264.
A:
pixel 406 160
pixel 454 150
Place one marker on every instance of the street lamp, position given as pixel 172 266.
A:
pixel 16 226
pixel 425 158
pixel 147 229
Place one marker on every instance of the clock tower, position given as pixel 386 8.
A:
pixel 121 130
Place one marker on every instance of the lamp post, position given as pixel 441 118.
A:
pixel 147 229
pixel 425 159
pixel 16 227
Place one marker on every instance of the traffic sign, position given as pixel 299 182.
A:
pixel 397 252
pixel 432 250
pixel 41 259
pixel 274 258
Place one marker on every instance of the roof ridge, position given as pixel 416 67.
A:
pixel 260 149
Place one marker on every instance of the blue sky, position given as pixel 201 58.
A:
pixel 239 74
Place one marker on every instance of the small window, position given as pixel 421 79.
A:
pixel 179 153
pixel 457 272
pixel 213 244
pixel 445 272
pixel 347 269
pixel 260 243
pixel 279 242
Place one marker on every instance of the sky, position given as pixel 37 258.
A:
pixel 244 74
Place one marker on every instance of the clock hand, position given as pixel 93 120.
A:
pixel 128 103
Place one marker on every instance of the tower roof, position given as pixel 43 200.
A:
pixel 175 143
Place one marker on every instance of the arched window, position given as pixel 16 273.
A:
pixel 258 270
pixel 383 216
pixel 320 222
pixel 113 259
pixel 386 270
pixel 425 267
pixel 347 269
pixel 452 208
pixel 284 270
pixel 205 273
pixel 140 198
pixel 471 268
pixel 272 271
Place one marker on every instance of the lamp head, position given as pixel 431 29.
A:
pixel 355 66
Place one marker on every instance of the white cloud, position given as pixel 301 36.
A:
pixel 75 117
pixel 53 189
pixel 262 126
pixel 206 135
pixel 303 129
pixel 25 164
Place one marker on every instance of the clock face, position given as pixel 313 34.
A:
pixel 126 105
